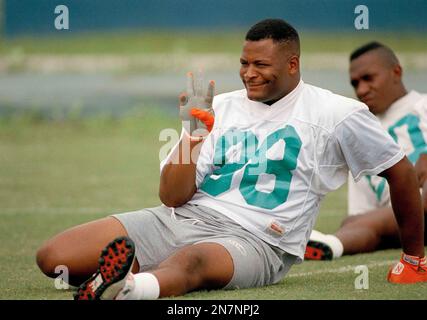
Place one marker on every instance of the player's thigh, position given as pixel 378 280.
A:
pixel 156 234
pixel 79 247
pixel 255 263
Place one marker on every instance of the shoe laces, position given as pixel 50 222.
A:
pixel 419 263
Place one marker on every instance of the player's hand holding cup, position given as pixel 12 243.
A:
pixel 410 269
pixel 195 108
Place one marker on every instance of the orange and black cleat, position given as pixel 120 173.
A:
pixel 115 264
pixel 317 250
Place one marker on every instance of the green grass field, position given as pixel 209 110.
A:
pixel 54 175
pixel 124 43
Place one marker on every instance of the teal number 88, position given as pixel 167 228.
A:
pixel 247 143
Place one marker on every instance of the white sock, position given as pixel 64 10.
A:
pixel 140 286
pixel 332 241
pixel 335 244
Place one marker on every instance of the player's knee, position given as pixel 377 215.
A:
pixel 48 258
pixel 189 263
pixel 199 266
pixel 193 267
pixel 349 220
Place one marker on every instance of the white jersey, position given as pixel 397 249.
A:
pixel 268 167
pixel 406 121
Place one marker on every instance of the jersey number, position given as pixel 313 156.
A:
pixel 257 164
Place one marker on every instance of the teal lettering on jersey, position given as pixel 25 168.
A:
pixel 257 164
pixel 417 139
pixel 412 122
pixel 220 180
pixel 260 164
pixel 378 190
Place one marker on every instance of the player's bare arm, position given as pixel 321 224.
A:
pixel 407 208
pixel 178 178
pixel 421 169
pixel 406 202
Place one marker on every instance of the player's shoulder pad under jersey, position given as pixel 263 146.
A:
pixel 226 100
pixel 220 100
pixel 328 109
pixel 420 108
pixel 422 101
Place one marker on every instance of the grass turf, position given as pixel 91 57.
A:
pixel 54 175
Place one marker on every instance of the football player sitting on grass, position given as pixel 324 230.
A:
pixel 376 77
pixel 242 188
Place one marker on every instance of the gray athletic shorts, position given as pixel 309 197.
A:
pixel 159 232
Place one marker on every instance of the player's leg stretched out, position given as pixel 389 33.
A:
pixel 179 251
pixel 368 232
pixel 108 269
pixel 374 230
pixel 186 270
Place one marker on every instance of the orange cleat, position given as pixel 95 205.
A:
pixel 409 269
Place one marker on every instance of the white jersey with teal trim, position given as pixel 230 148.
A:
pixel 268 167
pixel 406 122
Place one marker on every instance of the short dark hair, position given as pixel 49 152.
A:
pixel 387 55
pixel 276 29
pixel 366 48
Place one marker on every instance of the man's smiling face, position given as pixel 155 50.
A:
pixel 266 70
